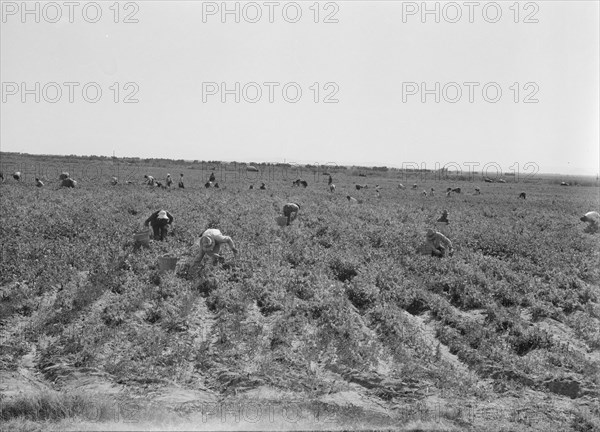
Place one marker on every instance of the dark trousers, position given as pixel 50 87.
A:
pixel 160 230
pixel 442 249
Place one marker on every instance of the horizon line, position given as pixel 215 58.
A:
pixel 258 162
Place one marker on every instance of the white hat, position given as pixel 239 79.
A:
pixel 162 215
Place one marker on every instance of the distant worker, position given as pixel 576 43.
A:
pixel 443 222
pixel 351 200
pixel 431 193
pixel 477 191
pixel 263 186
pixel 436 244
pixel 444 217
pixel 212 177
pixel 181 181
pixel 593 220
pixel 114 181
pixel 159 221
pixel 68 182
pixel 149 180
pixel 168 180
pixel 330 181
pixel 210 244
pixel 290 211
pixel 38 182
pixel 331 187
pixel 522 195
pixel 17 175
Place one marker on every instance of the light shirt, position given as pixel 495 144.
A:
pixel 217 237
pixel 593 217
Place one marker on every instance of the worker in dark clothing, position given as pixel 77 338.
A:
pixel 159 221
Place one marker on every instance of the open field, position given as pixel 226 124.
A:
pixel 331 323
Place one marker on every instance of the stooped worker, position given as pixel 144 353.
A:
pixel 149 180
pixel 593 220
pixel 290 211
pixel 443 222
pixel 210 244
pixel 436 244
pixel 159 221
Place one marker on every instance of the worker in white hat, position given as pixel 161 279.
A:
pixel 159 221
pixel 436 244
pixel 210 244
pixel 593 220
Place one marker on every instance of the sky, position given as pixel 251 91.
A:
pixel 344 82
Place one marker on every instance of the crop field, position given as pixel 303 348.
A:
pixel 331 323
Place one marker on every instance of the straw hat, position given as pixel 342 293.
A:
pixel 162 215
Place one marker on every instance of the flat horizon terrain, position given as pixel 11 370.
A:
pixel 332 323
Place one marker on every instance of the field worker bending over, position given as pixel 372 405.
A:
pixel 436 244
pixel 210 243
pixel 149 180
pixel 290 211
pixel 159 221
pixel 68 182
pixel 593 220
pixel 443 222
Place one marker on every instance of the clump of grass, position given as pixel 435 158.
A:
pixel 53 405
pixel 343 270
